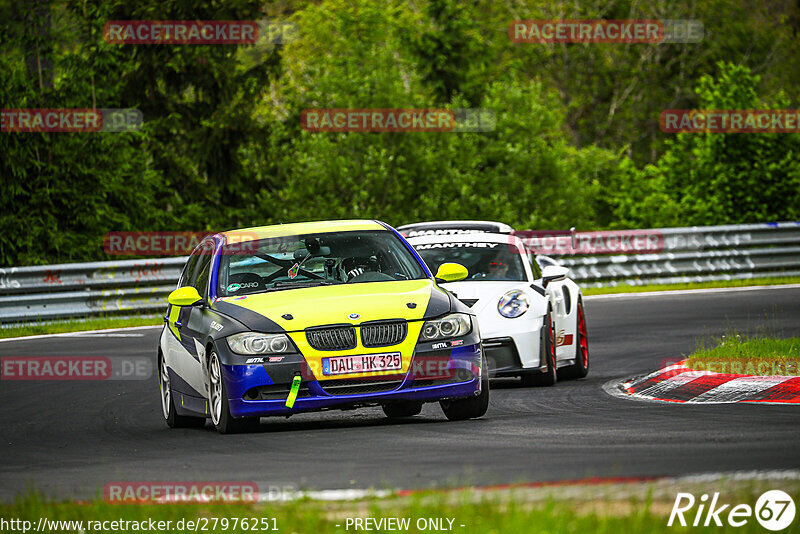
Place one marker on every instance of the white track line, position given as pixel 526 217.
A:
pixel 679 292
pixel 80 333
pixel 775 474
pixel 351 494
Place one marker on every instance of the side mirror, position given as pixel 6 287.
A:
pixel 451 272
pixel 552 273
pixel 184 296
pixel 545 261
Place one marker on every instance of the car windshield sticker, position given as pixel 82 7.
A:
pixel 444 231
pixel 233 288
pixel 455 245
pixel 294 270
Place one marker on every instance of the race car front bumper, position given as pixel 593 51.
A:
pixel 512 348
pixel 434 375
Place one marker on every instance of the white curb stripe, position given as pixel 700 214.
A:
pixel 669 384
pixel 740 389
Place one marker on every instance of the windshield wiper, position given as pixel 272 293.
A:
pixel 310 283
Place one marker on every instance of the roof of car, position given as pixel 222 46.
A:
pixel 282 230
pixel 453 228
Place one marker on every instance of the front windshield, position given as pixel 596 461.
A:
pixel 316 259
pixel 484 261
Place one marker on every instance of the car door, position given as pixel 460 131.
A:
pixel 187 354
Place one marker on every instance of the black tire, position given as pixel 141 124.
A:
pixel 402 409
pixel 168 403
pixel 580 368
pixel 548 354
pixel 221 416
pixel 471 407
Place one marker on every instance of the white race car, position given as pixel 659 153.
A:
pixel 531 317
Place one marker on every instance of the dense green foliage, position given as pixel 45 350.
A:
pixel 577 140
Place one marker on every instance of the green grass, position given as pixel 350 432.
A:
pixel 699 285
pixel 585 509
pixel 59 327
pixel 738 354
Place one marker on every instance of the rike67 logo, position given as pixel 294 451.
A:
pixel 774 510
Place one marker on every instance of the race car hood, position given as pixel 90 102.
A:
pixel 327 305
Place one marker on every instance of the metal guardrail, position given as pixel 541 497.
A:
pixel 696 254
pixel 683 255
pixel 84 289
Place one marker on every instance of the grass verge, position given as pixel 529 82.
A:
pixel 698 285
pixel 609 508
pixel 59 327
pixel 737 354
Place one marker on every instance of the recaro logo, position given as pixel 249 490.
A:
pixel 774 510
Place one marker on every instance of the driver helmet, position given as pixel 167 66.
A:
pixel 358 265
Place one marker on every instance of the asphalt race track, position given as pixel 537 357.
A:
pixel 70 438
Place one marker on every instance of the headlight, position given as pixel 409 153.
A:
pixel 513 304
pixel 453 325
pixel 256 343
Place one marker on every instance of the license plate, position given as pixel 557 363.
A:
pixel 367 363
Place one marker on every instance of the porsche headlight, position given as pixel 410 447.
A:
pixel 453 325
pixel 257 343
pixel 513 304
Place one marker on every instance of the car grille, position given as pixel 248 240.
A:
pixel 383 334
pixel 358 386
pixel 336 338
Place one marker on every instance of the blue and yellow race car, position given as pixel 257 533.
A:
pixel 300 317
